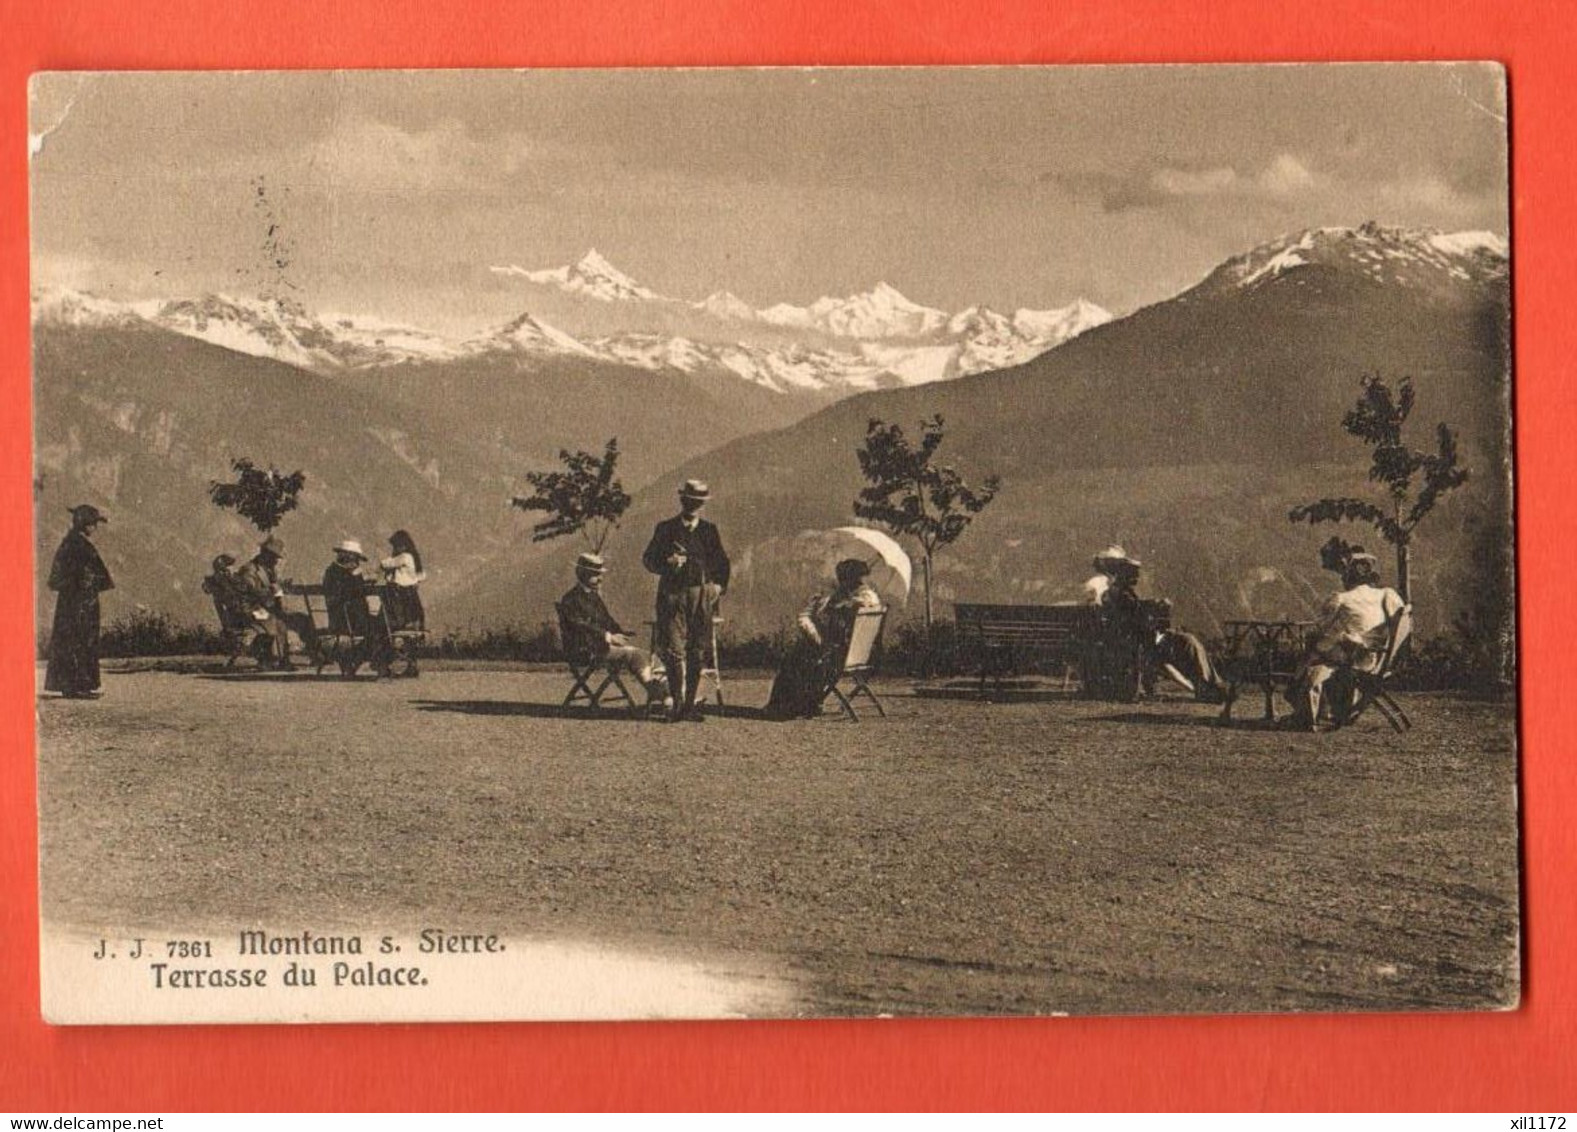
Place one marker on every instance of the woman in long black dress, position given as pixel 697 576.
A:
pixel 77 575
pixel 812 664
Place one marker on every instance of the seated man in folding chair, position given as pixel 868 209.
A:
pixel 1350 634
pixel 813 662
pixel 593 637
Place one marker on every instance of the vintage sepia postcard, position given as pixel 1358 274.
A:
pixel 773 543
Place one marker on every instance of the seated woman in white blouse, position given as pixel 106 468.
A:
pixel 403 572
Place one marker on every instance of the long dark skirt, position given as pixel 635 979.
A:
pixel 405 608
pixel 74 645
pixel 802 682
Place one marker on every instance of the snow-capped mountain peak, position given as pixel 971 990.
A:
pixel 591 276
pixel 1470 243
pixel 726 304
pixel 1060 323
pixel 885 294
pixel 601 279
pixel 65 306
pixel 1409 257
pixel 526 333
pixel 266 328
pixel 882 312
pixel 364 340
pixel 276 328
pixel 979 320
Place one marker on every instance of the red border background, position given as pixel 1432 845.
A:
pixel 1521 1061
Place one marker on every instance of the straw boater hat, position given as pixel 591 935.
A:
pixel 591 564
pixel 1115 553
pixel 1359 554
pixel 350 546
pixel 274 546
pixel 695 489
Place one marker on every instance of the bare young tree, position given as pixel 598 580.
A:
pixel 910 494
pixel 1414 480
pixel 261 496
pixel 584 498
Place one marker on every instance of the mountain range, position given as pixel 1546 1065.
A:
pixel 1185 429
pixel 878 339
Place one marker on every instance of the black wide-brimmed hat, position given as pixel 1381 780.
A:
pixel 85 513
pixel 852 569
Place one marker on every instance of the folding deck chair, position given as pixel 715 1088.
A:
pixel 582 669
pixel 1369 687
pixel 581 673
pixel 857 662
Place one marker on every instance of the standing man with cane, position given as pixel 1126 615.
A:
pixel 686 553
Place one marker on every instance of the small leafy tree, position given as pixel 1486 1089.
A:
pixel 1414 480
pixel 910 494
pixel 262 497
pixel 584 498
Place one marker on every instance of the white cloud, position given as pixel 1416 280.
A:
pixel 1427 192
pixel 1285 175
pixel 372 156
pixel 1180 182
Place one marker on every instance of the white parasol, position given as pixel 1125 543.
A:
pixel 891 570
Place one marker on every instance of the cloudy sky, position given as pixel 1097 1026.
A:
pixel 394 192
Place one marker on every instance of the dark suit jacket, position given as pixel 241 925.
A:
pixel 707 562
pixel 345 594
pixel 583 619
pixel 254 586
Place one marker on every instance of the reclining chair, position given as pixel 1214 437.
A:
pixel 857 662
pixel 1368 682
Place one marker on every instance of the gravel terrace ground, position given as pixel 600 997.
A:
pixel 954 858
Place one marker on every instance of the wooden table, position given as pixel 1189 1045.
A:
pixel 1266 653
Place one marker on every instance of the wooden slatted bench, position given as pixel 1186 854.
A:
pixel 1010 637
pixel 325 647
pixel 1071 635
